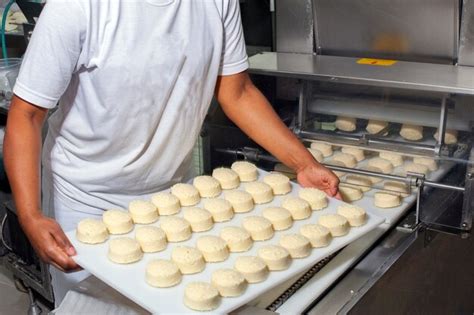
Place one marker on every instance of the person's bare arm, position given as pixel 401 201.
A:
pixel 245 105
pixel 22 147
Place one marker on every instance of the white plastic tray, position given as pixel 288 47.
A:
pixel 130 279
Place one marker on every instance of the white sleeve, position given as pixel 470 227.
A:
pixel 52 54
pixel 234 56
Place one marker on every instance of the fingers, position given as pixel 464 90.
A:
pixel 63 242
pixel 338 196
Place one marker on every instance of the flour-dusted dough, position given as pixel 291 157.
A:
pixel 430 163
pixel 188 259
pixel 166 203
pixel 91 231
pixel 385 165
pixel 337 224
pixel 162 273
pixel 199 219
pixel 276 257
pixel 187 194
pixel 318 155
pixel 252 268
pixel 240 200
pixel 297 245
pixel 397 188
pixel 220 209
pixel 411 132
pixel 375 126
pixel 324 148
pixel 279 217
pixel 237 239
pixel 259 228
pixel 347 159
pixel 143 212
pixel 318 235
pixel 176 229
pixel 228 282
pixel 226 177
pixel 363 183
pixel 280 183
pixel 450 136
pixel 387 200
pixel 346 123
pixel 124 250
pixel 213 248
pixel 415 168
pixel 261 192
pixel 207 186
pixel 394 158
pixel 117 221
pixel 300 209
pixel 201 296
pixel 315 197
pixel 247 171
pixel 151 239
pixel 354 214
pixel 350 193
pixel 355 152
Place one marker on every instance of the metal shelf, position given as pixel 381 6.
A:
pixel 402 74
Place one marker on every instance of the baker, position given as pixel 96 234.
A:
pixel 134 80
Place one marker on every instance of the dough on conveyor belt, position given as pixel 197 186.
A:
pixel 300 209
pixel 318 235
pixel 237 239
pixel 143 212
pixel 187 194
pixel 124 250
pixel 318 155
pixel 91 231
pixel 279 217
pixel 411 132
pixel 252 268
pixel 199 219
pixel 201 296
pixel 397 187
pixel 297 245
pixel 324 148
pixel 220 209
pixel 151 239
pixel 117 221
pixel 347 159
pixel 361 182
pixel 162 273
pixel 240 200
pixel 385 165
pixel 280 183
pixel 394 158
pixel 213 248
pixel 276 257
pixel 207 186
pixel 247 171
pixel 315 197
pixel 166 203
pixel 337 224
pixel 176 229
pixel 188 259
pixel 450 136
pixel 226 177
pixel 346 123
pixel 354 214
pixel 261 192
pixel 350 193
pixel 356 152
pixel 375 126
pixel 387 200
pixel 415 168
pixel 430 163
pixel 228 282
pixel 373 179
pixel 259 228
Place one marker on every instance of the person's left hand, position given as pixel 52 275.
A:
pixel 316 175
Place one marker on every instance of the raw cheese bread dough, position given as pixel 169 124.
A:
pixel 220 209
pixel 226 177
pixel 143 212
pixel 162 273
pixel 394 158
pixel 176 229
pixel 346 123
pixel 411 132
pixel 276 257
pixel 252 268
pixel 355 152
pixel 430 163
pixel 188 259
pixel 166 203
pixel 450 136
pixel 315 197
pixel 201 296
pixel 279 217
pixel 151 239
pixel 199 219
pixel 318 155
pixel 373 179
pixel 387 200
pixel 318 235
pixel 228 282
pixel 415 168
pixel 241 201
pixel 357 181
pixel 117 221
pixel 354 214
pixel 213 248
pixel 324 148
pixel 347 159
pixel 397 187
pixel 261 192
pixel 237 239
pixel 187 194
pixel 207 186
pixel 337 163
pixel 385 165
pixel 279 183
pixel 297 245
pixel 124 250
pixel 91 231
pixel 260 229
pixel 375 126
pixel 299 208
pixel 350 193
pixel 335 223
pixel 247 171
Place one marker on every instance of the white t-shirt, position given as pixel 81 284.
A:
pixel 134 80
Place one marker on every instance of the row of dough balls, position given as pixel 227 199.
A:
pixel 408 132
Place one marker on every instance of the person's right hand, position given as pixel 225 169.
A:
pixel 50 242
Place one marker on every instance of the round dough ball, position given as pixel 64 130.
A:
pixel 161 273
pixel 143 212
pixel 237 239
pixel 363 183
pixel 315 197
pixel 355 152
pixel 176 229
pixel 188 259
pixel 213 248
pixel 350 193
pixel 252 268
pixel 117 221
pixel 91 231
pixel 430 163
pixel 450 136
pixel 124 250
pixel 228 282
pixel 247 171
pixel 394 158
pixel 324 148
pixel 207 186
pixel 337 163
pixel 276 257
pixel 346 123
pixel 397 187
pixel 199 219
pixel 347 159
pixel 240 200
pixel 187 194
pixel 297 245
pixel 385 165
pixel 260 229
pixel 151 239
pixel 318 155
pixel 318 235
pixel 279 183
pixel 226 177
pixel 411 132
pixel 261 192
pixel 337 224
pixel 299 208
pixel 415 168
pixel 220 209
pixel 201 296
pixel 279 217
pixel 166 203
pixel 376 126
pixel 387 200
pixel 354 214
